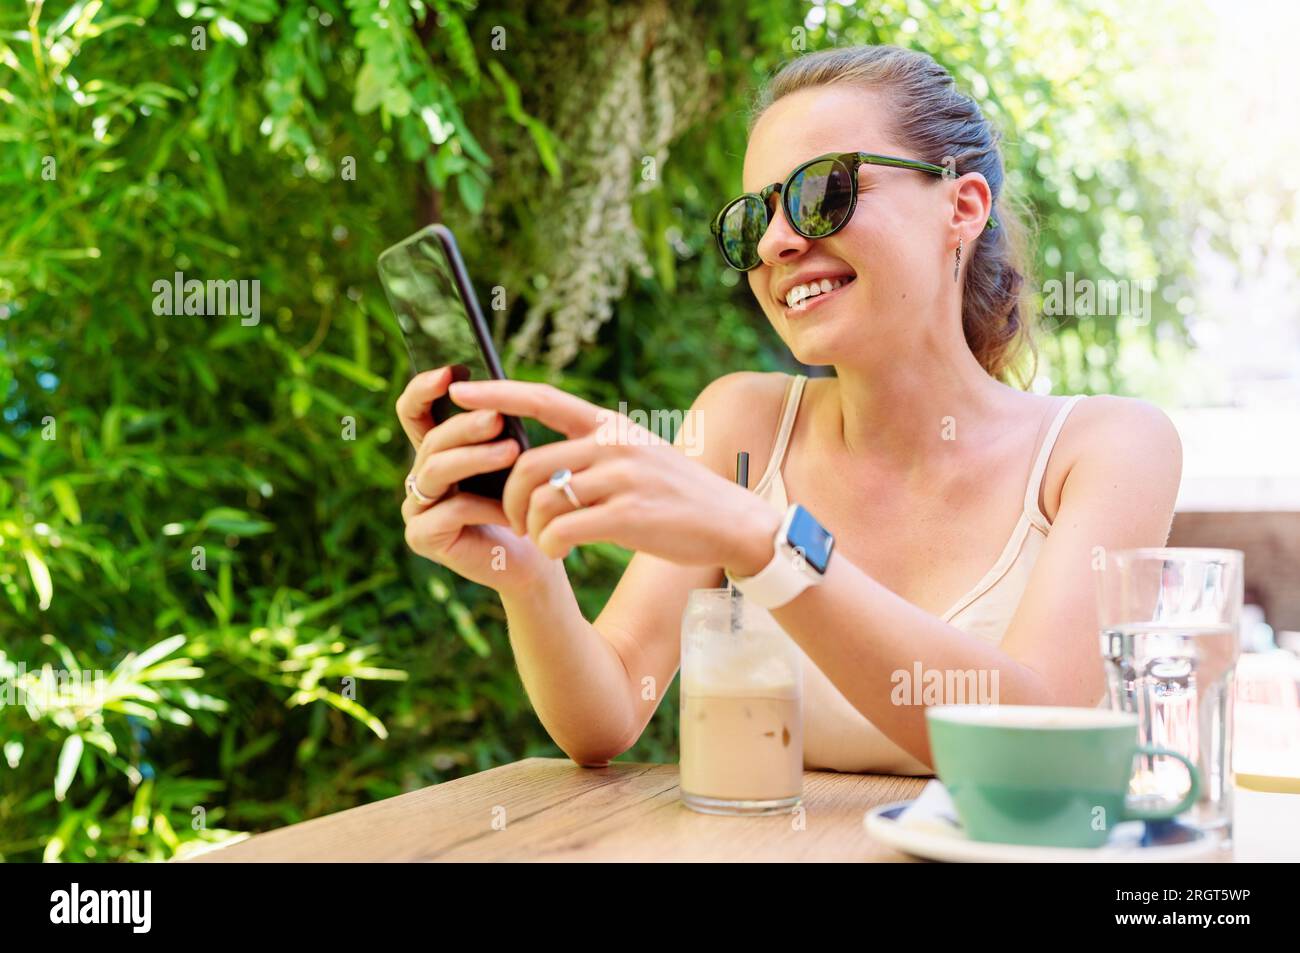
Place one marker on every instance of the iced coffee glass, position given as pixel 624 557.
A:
pixel 741 708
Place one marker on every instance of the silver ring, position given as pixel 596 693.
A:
pixel 560 480
pixel 413 490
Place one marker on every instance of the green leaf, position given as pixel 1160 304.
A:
pixel 163 828
pixel 231 29
pixel 471 193
pixel 225 519
pixel 251 750
pixel 69 759
pixel 111 428
pixel 57 843
pixel 323 606
pixel 468 628
pixel 343 704
pixel 154 653
pixel 351 371
pixel 369 90
pixel 15 594
pixel 300 401
pixel 203 372
pixel 541 135
pixel 76 19
pixel 67 500
pixel 546 150
pixel 40 574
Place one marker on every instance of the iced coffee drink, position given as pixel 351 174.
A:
pixel 741 708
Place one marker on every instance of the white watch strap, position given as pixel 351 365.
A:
pixel 779 581
pixel 775 584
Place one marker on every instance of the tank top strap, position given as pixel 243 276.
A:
pixel 1035 486
pixel 789 410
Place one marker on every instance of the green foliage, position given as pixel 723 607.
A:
pixel 205 512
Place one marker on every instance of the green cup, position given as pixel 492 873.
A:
pixel 1054 777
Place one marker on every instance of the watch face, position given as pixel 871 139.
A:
pixel 809 538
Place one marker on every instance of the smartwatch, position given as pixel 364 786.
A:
pixel 802 550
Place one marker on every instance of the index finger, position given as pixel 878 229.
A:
pixel 414 403
pixel 557 409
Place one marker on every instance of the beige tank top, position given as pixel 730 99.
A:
pixel 836 735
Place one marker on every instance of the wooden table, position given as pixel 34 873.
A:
pixel 551 809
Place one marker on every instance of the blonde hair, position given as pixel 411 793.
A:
pixel 934 120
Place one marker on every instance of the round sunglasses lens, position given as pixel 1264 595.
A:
pixel 743 225
pixel 820 197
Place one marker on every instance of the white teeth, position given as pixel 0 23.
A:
pixel 801 293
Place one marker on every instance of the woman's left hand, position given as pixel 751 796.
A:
pixel 637 490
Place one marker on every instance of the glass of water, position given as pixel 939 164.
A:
pixel 1170 636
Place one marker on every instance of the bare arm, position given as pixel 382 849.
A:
pixel 1119 493
pixel 587 688
pixel 595 686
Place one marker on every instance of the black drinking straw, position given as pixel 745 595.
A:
pixel 742 478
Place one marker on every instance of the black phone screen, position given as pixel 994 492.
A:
pixel 435 323
pixel 438 328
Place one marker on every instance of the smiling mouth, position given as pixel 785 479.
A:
pixel 812 301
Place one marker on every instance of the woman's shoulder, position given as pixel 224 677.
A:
pixel 740 386
pixel 740 411
pixel 1105 436
pixel 1103 421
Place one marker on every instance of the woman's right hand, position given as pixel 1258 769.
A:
pixel 467 533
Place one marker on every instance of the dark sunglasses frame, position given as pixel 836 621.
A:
pixel 851 161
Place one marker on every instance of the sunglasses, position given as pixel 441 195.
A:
pixel 818 198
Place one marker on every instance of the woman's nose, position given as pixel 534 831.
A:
pixel 781 242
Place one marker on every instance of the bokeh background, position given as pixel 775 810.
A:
pixel 307 662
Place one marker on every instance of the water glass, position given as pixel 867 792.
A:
pixel 1170 636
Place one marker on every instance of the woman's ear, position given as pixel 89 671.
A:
pixel 972 205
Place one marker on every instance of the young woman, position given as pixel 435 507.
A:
pixel 967 515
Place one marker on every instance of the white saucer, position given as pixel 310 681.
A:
pixel 935 838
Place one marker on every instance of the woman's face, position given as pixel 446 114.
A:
pixel 892 249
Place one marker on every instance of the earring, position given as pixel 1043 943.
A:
pixel 957 264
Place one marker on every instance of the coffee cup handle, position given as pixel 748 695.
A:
pixel 1164 813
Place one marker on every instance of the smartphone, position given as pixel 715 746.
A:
pixel 442 324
